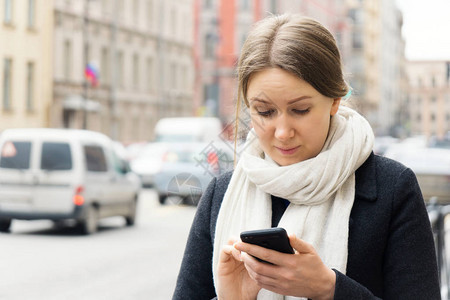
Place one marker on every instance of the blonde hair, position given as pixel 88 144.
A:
pixel 297 44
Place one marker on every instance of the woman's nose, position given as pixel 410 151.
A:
pixel 283 129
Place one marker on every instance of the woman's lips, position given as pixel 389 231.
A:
pixel 287 151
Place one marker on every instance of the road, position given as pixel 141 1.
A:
pixel 41 261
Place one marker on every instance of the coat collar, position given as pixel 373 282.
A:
pixel 366 182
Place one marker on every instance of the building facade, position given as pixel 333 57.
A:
pixel 376 62
pixel 428 98
pixel 25 63
pixel 140 55
pixel 220 30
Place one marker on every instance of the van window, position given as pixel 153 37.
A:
pixel 15 155
pixel 56 157
pixel 95 159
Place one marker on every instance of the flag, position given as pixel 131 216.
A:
pixel 91 74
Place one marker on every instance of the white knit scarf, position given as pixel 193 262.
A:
pixel 321 191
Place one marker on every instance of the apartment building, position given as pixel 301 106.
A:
pixel 428 98
pixel 139 57
pixel 376 62
pixel 25 63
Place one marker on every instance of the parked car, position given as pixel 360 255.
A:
pixel 187 169
pixel 432 168
pixel 149 162
pixel 64 174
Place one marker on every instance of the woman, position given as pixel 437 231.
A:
pixel 357 221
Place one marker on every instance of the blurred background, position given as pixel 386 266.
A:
pixel 118 66
pixel 143 72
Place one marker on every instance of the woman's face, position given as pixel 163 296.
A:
pixel 290 117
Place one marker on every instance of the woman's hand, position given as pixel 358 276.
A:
pixel 302 274
pixel 234 281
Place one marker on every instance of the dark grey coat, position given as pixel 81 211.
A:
pixel 391 253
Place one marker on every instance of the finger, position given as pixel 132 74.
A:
pixel 226 253
pixel 232 241
pixel 300 245
pixel 259 274
pixel 268 255
pixel 259 268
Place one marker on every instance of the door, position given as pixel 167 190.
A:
pixel 54 176
pixel 16 176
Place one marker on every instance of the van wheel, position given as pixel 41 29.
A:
pixel 89 224
pixel 5 224
pixel 131 218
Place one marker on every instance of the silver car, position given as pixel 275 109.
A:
pixel 187 168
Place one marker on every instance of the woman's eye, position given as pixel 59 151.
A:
pixel 265 113
pixel 301 111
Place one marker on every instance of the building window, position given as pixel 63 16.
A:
pixel 67 60
pixel 150 13
pixel 150 78
pixel 185 79
pixel 121 8
pixel 105 7
pixel 136 11
pixel 7 16
pixel 245 4
pixel 7 78
pixel 208 4
pixel 104 67
pixel 119 74
pixel 357 40
pixel 174 75
pixel 273 6
pixel 210 46
pixel 136 77
pixel 31 13
pixel 30 86
pixel 173 21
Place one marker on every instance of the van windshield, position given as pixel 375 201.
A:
pixel 15 155
pixel 56 157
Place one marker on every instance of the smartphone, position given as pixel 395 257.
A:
pixel 272 238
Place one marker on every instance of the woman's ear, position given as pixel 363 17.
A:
pixel 335 106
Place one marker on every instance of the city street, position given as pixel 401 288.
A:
pixel 41 261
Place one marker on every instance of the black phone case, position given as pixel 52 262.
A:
pixel 271 238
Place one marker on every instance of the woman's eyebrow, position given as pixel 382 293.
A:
pixel 289 102
pixel 298 99
pixel 259 100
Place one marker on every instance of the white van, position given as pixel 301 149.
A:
pixel 62 174
pixel 188 129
